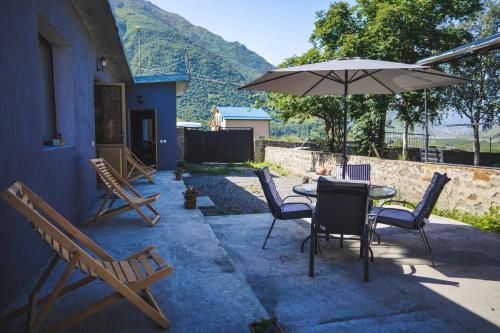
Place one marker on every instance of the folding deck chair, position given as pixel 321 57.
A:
pixel 117 187
pixel 138 168
pixel 130 278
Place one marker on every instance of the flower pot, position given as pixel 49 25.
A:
pixel 190 203
pixel 321 171
pixel 178 176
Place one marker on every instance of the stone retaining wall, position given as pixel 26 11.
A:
pixel 471 189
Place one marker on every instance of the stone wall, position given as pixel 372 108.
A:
pixel 471 189
pixel 261 144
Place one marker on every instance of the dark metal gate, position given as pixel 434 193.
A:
pixel 225 146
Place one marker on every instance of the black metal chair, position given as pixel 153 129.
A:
pixel 277 205
pixel 416 219
pixel 355 172
pixel 341 208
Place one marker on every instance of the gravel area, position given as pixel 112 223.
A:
pixel 239 192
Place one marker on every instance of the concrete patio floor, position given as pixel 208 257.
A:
pixel 222 279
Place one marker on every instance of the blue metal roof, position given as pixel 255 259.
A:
pixel 165 78
pixel 491 42
pixel 243 113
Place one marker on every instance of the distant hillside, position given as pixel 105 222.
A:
pixel 218 66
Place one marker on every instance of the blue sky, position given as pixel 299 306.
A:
pixel 275 29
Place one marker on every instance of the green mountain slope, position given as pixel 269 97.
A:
pixel 217 66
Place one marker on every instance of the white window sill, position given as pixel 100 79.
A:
pixel 54 148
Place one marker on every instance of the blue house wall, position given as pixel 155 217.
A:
pixel 162 98
pixel 61 176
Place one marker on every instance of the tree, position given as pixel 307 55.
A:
pixel 392 30
pixel 478 100
pixel 327 108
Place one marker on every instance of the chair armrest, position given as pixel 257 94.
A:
pixel 398 201
pixel 376 216
pixel 298 196
pixel 297 203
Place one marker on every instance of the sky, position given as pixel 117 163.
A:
pixel 275 29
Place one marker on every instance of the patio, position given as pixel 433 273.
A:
pixel 222 280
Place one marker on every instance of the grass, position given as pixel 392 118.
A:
pixel 274 167
pixel 465 144
pixel 489 221
pixel 211 170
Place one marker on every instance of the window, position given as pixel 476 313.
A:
pixel 47 98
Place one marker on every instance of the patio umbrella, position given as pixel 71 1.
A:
pixel 354 76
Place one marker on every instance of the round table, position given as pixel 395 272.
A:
pixel 377 192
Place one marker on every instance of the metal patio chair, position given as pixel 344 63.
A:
pixel 279 209
pixel 341 208
pixel 355 172
pixel 416 219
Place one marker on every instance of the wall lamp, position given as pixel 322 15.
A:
pixel 140 99
pixel 101 64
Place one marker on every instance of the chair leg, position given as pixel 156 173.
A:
pixel 318 247
pixel 269 233
pixel 378 236
pixel 366 247
pixel 312 250
pixel 427 244
pixel 304 243
pixel 35 323
pixel 341 241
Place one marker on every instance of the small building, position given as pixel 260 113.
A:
pixel 232 116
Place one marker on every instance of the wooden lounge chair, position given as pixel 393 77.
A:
pixel 130 278
pixel 117 187
pixel 138 168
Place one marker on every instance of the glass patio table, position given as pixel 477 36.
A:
pixel 377 192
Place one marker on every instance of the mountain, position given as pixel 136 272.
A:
pixel 217 66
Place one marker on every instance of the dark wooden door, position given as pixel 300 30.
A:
pixel 143 135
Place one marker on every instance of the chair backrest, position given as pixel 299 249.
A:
pixel 272 196
pixel 342 205
pixel 54 229
pixel 431 196
pixel 133 159
pixel 114 181
pixel 355 172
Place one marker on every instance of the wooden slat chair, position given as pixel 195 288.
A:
pixel 138 168
pixel 117 187
pixel 129 277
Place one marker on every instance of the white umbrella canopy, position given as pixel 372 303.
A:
pixel 351 76
pixel 361 76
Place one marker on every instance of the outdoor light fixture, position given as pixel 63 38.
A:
pixel 140 99
pixel 101 63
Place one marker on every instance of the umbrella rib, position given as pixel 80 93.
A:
pixel 353 75
pixel 364 75
pixel 316 84
pixel 268 80
pixel 326 77
pixel 338 78
pixel 441 74
pixel 380 82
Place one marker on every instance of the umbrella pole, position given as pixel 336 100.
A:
pixel 344 148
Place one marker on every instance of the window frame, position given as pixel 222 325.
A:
pixel 50 47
